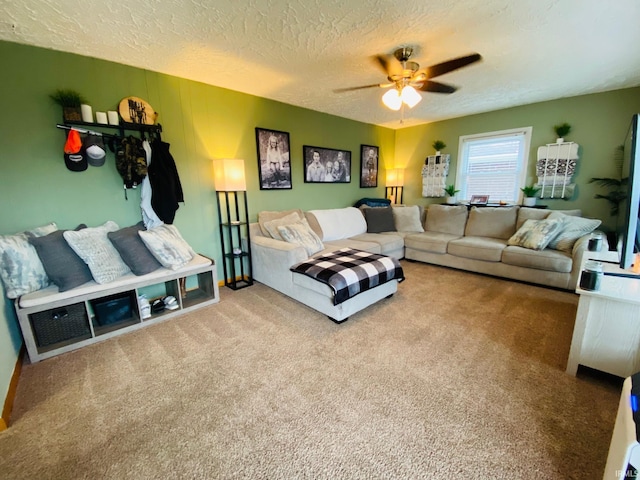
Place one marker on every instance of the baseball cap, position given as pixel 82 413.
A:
pixel 74 155
pixel 94 150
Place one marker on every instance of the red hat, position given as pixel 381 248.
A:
pixel 74 142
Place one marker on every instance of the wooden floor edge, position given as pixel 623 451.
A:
pixel 11 394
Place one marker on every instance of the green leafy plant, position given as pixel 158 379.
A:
pixel 67 98
pixel 530 190
pixel 439 145
pixel 562 130
pixel 615 196
pixel 450 190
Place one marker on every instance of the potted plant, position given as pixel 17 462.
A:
pixel 561 130
pixel 70 101
pixel 451 191
pixel 530 193
pixel 438 145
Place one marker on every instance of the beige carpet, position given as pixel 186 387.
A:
pixel 457 376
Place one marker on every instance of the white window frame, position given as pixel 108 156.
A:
pixel 524 160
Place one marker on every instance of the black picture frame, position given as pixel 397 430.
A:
pixel 274 166
pixel 326 156
pixel 369 169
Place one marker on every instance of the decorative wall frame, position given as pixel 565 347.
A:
pixel 369 166
pixel 479 199
pixel 274 165
pixel 326 165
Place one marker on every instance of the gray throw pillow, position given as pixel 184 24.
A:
pixel 379 219
pixel 133 250
pixel 64 268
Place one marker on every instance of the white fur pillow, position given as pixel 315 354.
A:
pixel 272 225
pixel 300 233
pixel 167 245
pixel 96 250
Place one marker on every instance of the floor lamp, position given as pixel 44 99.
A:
pixel 230 184
pixel 394 184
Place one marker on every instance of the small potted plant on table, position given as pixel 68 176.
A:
pixel 450 191
pixel 530 193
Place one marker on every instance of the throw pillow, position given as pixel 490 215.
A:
pixel 93 246
pixel 271 226
pixel 64 268
pixel 133 251
pixel 266 216
pixel 572 229
pixel 167 245
pixel 536 234
pixel 407 219
pixel 21 270
pixel 300 233
pixel 379 219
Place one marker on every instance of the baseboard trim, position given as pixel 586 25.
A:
pixel 11 394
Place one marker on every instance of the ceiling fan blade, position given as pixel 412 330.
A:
pixel 391 66
pixel 451 65
pixel 362 87
pixel 436 87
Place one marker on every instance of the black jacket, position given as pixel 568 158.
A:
pixel 166 189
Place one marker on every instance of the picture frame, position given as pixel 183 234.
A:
pixel 479 200
pixel 369 155
pixel 316 166
pixel 274 163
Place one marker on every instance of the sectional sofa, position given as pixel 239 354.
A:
pixel 533 245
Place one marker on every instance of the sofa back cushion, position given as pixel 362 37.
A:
pixel 266 216
pixel 446 219
pixel 337 223
pixel 408 218
pixel 527 213
pixel 493 222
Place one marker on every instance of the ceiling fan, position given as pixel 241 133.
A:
pixel 407 77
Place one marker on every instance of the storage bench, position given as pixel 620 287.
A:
pixel 54 322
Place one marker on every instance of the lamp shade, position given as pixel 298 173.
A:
pixel 392 99
pixel 395 177
pixel 228 175
pixel 410 96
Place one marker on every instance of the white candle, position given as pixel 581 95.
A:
pixel 101 117
pixel 113 117
pixel 87 113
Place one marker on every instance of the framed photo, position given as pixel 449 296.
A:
pixel 274 165
pixel 326 165
pixel 368 166
pixel 479 199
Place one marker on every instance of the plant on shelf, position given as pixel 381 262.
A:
pixel 439 145
pixel 450 191
pixel 562 130
pixel 530 192
pixel 70 101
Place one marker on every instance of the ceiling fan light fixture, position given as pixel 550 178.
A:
pixel 392 99
pixel 410 96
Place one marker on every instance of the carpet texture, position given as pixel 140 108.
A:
pixel 456 376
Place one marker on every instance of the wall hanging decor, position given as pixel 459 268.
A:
pixel 274 165
pixel 326 165
pixel 434 175
pixel 555 167
pixel 368 166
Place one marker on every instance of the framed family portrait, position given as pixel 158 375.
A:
pixel 368 166
pixel 326 165
pixel 479 199
pixel 274 165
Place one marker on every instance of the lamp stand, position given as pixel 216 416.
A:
pixel 236 249
pixel 392 192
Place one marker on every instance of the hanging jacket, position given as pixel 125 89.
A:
pixel 131 161
pixel 149 216
pixel 166 189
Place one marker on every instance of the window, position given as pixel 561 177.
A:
pixel 493 164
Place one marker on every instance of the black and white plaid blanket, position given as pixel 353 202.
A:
pixel 349 272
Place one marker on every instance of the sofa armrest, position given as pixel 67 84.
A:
pixel 272 258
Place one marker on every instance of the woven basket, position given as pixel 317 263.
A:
pixel 60 324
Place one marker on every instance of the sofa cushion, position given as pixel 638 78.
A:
pixel 572 229
pixel 388 242
pixel 478 248
pixel 93 246
pixel 493 222
pixel 408 218
pixel 133 251
pixel 372 247
pixel 536 234
pixel 271 226
pixel 435 242
pixel 63 266
pixel 299 233
pixel 446 219
pixel 379 219
pixel 267 215
pixel 547 259
pixel 166 244
pixel 338 223
pixel 20 267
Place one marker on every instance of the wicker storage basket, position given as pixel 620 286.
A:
pixel 60 324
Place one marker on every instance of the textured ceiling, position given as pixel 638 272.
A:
pixel 298 52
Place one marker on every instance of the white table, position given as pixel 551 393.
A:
pixel 606 335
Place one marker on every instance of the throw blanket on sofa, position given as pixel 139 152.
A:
pixel 349 272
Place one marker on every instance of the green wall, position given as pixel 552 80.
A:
pixel 200 122
pixel 599 124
